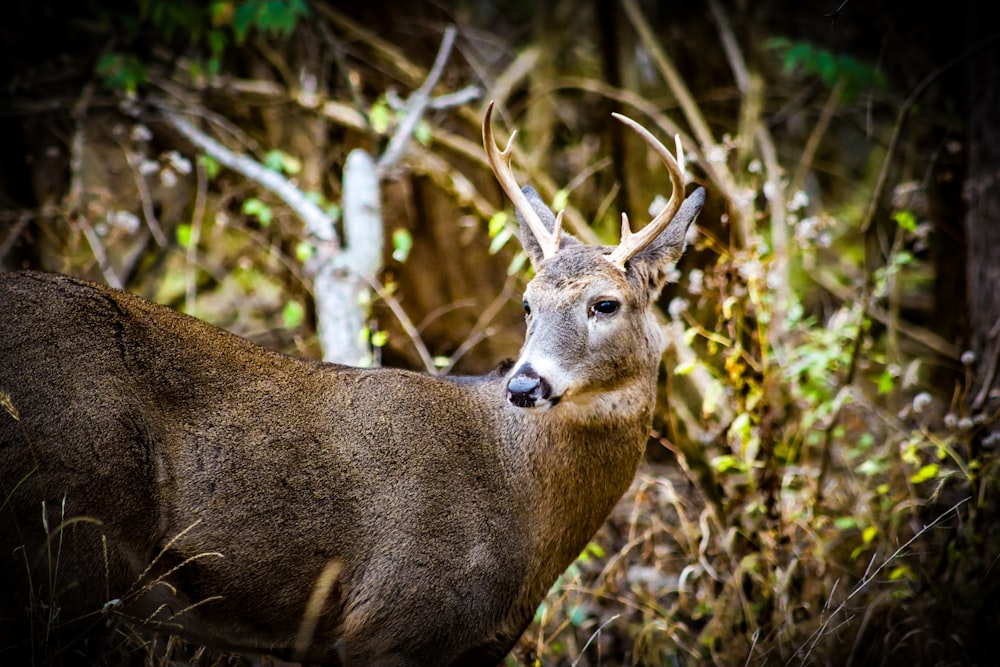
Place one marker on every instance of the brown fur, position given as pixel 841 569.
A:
pixel 196 483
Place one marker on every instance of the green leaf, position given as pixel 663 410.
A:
pixel 333 210
pixel 304 251
pixel 379 116
pixel 902 258
pixel 293 314
pixel 281 161
pixel 500 240
pixel 685 368
pixel 402 243
pixel 725 463
pixel 845 522
pixel 221 12
pixel 423 133
pixel 577 615
pixel 184 235
pixel 279 17
pixel 741 426
pixel 259 210
pixel 210 165
pixel 121 72
pixel 886 382
pixel 243 18
pixel 517 263
pixel 498 222
pixel 925 473
pixel 217 42
pixel 380 338
pixel 906 220
pixel 826 66
pixel 560 200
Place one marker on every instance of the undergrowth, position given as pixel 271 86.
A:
pixel 826 515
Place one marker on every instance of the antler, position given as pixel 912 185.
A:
pixel 500 163
pixel 631 244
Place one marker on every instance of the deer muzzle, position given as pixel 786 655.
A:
pixel 527 389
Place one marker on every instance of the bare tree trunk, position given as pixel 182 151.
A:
pixel 982 220
pixel 982 230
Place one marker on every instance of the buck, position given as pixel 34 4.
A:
pixel 162 475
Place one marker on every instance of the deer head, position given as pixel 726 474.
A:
pixel 590 329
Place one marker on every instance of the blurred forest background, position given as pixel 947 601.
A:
pixel 821 483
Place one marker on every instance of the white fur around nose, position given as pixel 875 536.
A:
pixel 545 367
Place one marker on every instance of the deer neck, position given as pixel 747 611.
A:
pixel 580 457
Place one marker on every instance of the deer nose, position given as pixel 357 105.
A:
pixel 527 389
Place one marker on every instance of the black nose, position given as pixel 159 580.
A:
pixel 526 389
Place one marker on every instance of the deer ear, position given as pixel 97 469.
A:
pixel 653 262
pixel 528 241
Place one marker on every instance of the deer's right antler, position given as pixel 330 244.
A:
pixel 500 163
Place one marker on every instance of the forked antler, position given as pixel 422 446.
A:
pixel 500 163
pixel 631 244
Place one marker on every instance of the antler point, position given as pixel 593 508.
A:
pixel 626 227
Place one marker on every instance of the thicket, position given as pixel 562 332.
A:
pixel 815 491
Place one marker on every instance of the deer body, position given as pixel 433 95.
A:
pixel 195 482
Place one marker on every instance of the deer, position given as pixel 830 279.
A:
pixel 163 476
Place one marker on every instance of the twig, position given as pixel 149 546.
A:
pixel 319 224
pixel 145 199
pixel 392 55
pixel 779 239
pixel 350 271
pixel 97 248
pixel 15 234
pixel 75 194
pixel 670 74
pixel 480 330
pixel 929 339
pixel 407 324
pixel 779 232
pixel 593 635
pixel 314 607
pixel 818 132
pixel 75 197
pixel 693 115
pixel 456 99
pixel 191 256
pixel 868 578
pixel 519 69
pixel 897 129
pixel 431 164
pixel 730 46
pixel 827 451
pixel 416 105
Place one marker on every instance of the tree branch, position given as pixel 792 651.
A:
pixel 319 224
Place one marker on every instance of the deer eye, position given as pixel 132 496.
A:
pixel 603 307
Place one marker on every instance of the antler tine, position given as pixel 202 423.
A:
pixel 500 163
pixel 633 243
